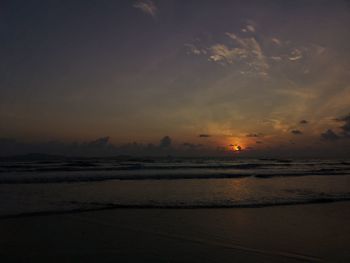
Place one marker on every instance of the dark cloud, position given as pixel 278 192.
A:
pixel 329 135
pixel 344 133
pixel 99 147
pixel 296 132
pixel 254 135
pixel 101 142
pixel 303 122
pixel 346 126
pixel 191 145
pixel 204 135
pixel 165 142
pixel 102 147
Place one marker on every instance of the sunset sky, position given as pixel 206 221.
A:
pixel 268 76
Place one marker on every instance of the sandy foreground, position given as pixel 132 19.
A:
pixel 313 232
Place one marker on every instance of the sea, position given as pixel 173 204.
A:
pixel 40 184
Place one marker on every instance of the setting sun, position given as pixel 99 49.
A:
pixel 235 147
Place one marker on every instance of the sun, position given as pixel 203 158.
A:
pixel 235 147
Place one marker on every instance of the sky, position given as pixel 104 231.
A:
pixel 206 77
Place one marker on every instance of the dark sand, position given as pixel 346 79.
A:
pixel 313 232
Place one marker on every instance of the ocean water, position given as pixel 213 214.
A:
pixel 42 184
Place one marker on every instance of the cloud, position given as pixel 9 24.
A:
pixel 303 122
pixel 255 53
pixel 99 147
pixel 102 147
pixel 252 52
pixel 248 28
pixel 344 133
pixel 278 125
pixel 276 41
pixel 194 50
pixel 345 128
pixel 165 142
pixel 204 135
pixel 303 94
pixel 147 6
pixel 100 142
pixel 191 145
pixel 329 135
pixel 246 50
pixel 222 53
pixel 296 132
pixel 276 58
pixel 252 135
pixel 295 55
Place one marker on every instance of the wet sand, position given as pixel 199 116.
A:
pixel 294 233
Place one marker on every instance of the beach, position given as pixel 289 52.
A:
pixel 175 131
pixel 290 233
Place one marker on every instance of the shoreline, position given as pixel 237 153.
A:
pixel 170 207
pixel 293 233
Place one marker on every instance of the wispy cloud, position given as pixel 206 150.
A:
pixel 276 58
pixel 296 55
pixel 244 50
pixel 300 94
pixel 147 6
pixel 222 53
pixel 253 53
pixel 248 28
pixel 254 135
pixel 278 125
pixel 194 50
pixel 276 41
pixel 247 50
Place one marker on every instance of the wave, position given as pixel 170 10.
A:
pixel 124 167
pixel 94 206
pixel 74 178
pixel 154 175
pixel 112 165
pixel 70 170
